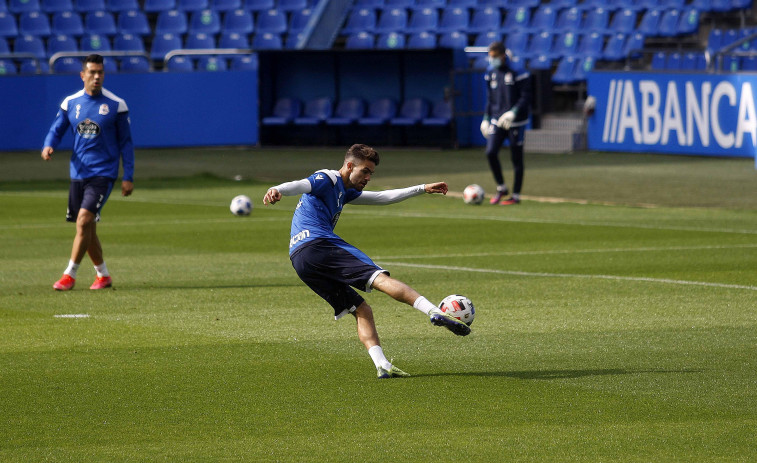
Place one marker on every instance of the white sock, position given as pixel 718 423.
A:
pixel 424 305
pixel 72 269
pixel 377 354
pixel 102 270
pixel 502 188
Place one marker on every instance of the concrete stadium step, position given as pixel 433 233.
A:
pixel 559 133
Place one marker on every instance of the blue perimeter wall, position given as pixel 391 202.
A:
pixel 166 109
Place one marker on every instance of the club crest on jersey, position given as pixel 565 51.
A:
pixel 88 129
pixel 319 177
pixel 104 109
pixel 509 78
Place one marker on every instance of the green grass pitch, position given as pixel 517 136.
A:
pixel 620 325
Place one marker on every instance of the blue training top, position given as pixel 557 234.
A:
pixel 317 212
pixel 102 135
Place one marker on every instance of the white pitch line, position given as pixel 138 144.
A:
pixel 574 275
pixel 571 251
pixel 72 315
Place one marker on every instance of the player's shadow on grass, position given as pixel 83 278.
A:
pixel 560 374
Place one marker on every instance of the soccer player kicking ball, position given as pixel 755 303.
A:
pixel 331 267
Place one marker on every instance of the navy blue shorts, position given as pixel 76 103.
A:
pixel 89 194
pixel 332 269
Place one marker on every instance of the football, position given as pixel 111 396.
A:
pixel 241 205
pixel 459 307
pixel 473 194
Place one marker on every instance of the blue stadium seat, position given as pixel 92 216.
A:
pixel 394 20
pixel 110 65
pixel 623 21
pixel 543 19
pixel 360 41
pixel 668 26
pixel 100 22
pixel 569 20
pixel 562 4
pixel 118 6
pixel 485 20
pixel 7 68
pixel 135 64
pixel 347 112
pixel 540 44
pixel 59 43
pixel 67 66
pixel 650 23
pixel 650 4
pixel 517 41
pixel 518 18
pixel 375 4
pixel 157 6
pixel 315 112
pixel 615 47
pixel 453 19
pixel 379 112
pixel 293 40
pixel 461 3
pixel 583 68
pixel 225 5
pixel 425 20
pixel 411 112
pixel 3 7
pixel 390 41
pixel 634 41
pixel 171 22
pixel 162 44
pixel 731 63
pixel 566 44
pixel 674 62
pixel 591 45
pixel 67 23
pixel 596 19
pixel 421 40
pixel 284 112
pixel 23 6
pixel 720 6
pixel 299 20
pixel 741 4
pixel 749 63
pixel 86 6
pixel 454 40
pixel 180 64
pixel 205 21
pixel 267 41
pixel 360 20
pixel 4 48
pixel 485 39
pixel 128 42
pixel 195 41
pixel 659 61
pixel 399 3
pixel 29 66
pixel 689 23
pixel 438 4
pixel 677 4
pixel 540 63
pixel 55 6
pixel 292 5
pixel 244 63
pixel 271 21
pixel 33 23
pixel 689 61
pixel 190 6
pixel 211 63
pixel 134 22
pixel 30 44
pixel 259 5
pixel 441 115
pixel 94 43
pixel 565 71
pixel 8 27
pixel 239 21
pixel 233 40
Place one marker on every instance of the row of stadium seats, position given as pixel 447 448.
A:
pixel 719 38
pixel 150 6
pixel 702 5
pixel 695 61
pixel 414 111
pixel 662 22
pixel 136 23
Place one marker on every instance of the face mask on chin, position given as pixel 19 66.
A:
pixel 495 62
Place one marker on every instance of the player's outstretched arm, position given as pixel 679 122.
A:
pixel 439 187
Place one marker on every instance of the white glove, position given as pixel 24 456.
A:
pixel 485 128
pixel 506 120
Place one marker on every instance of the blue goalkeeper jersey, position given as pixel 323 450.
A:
pixel 317 212
pixel 102 136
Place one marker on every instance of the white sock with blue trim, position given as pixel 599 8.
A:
pixel 424 305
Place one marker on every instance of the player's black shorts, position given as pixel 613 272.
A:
pixel 90 194
pixel 331 270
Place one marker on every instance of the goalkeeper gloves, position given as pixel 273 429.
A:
pixel 506 120
pixel 485 125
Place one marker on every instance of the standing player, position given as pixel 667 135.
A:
pixel 508 101
pixel 102 137
pixel 331 267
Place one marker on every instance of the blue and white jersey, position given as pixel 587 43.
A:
pixel 317 212
pixel 102 136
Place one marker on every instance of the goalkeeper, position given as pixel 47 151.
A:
pixel 508 98
pixel 331 267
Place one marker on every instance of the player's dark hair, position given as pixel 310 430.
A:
pixel 93 58
pixel 498 47
pixel 362 153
